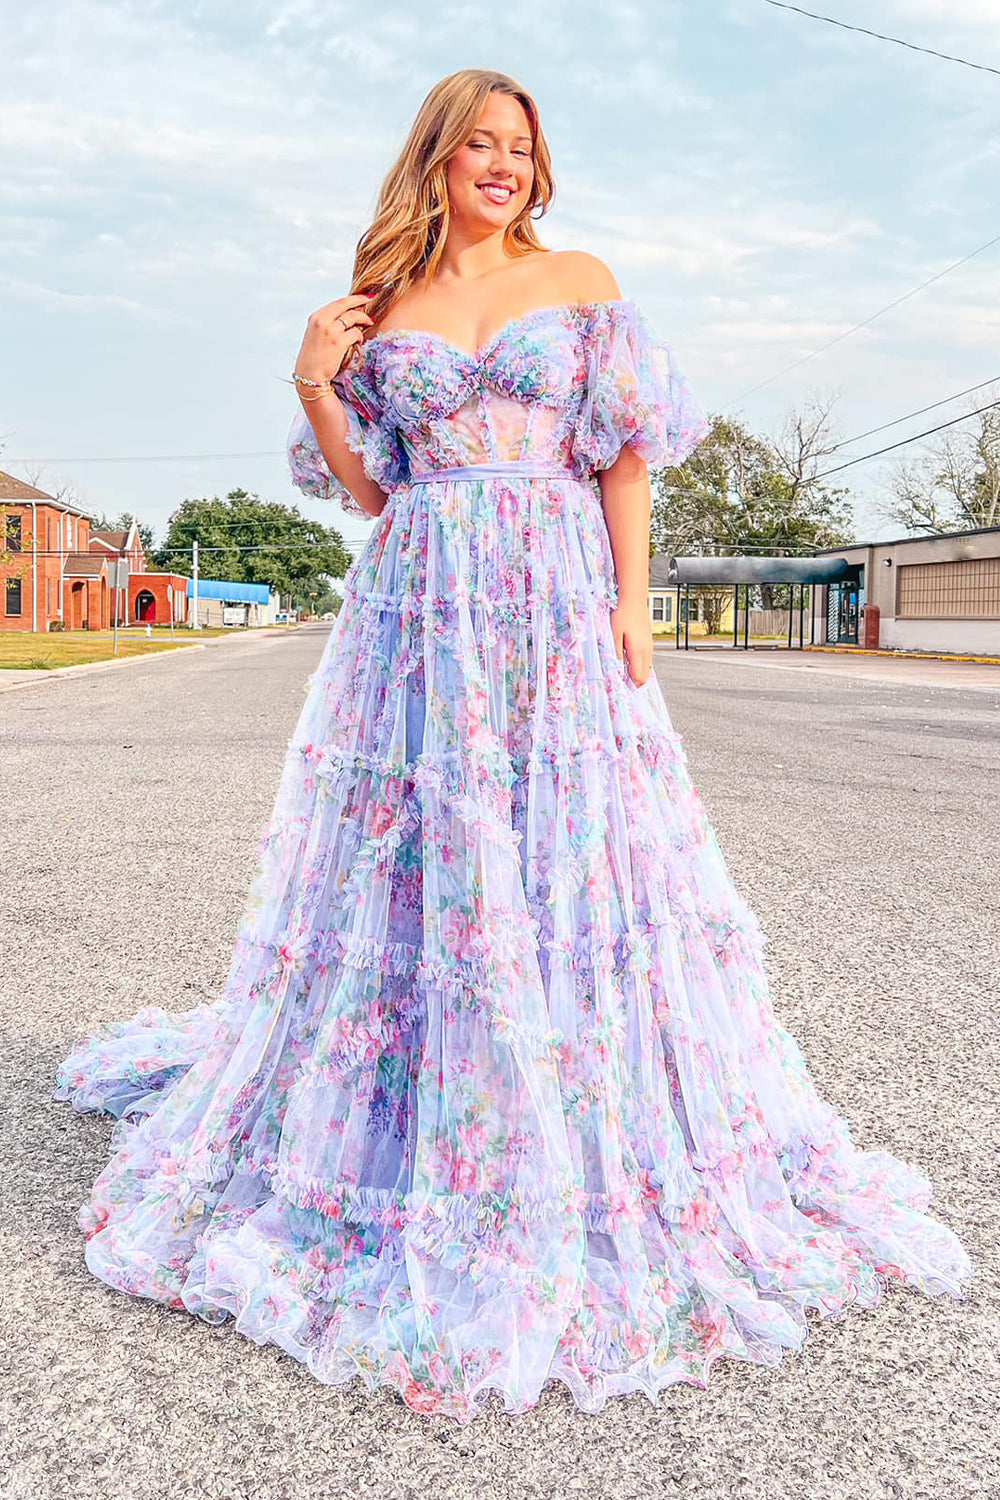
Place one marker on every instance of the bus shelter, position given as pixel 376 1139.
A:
pixel 800 573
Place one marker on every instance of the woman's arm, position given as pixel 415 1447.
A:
pixel 330 335
pixel 626 500
pixel 329 422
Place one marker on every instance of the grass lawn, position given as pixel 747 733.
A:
pixel 723 638
pixel 34 650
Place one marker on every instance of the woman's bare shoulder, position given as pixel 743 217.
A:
pixel 584 277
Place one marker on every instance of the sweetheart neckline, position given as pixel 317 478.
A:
pixel 477 354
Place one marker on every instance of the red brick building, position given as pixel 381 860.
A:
pixel 148 599
pixel 45 566
pixel 121 544
pixel 53 567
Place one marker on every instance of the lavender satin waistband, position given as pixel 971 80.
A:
pixel 514 468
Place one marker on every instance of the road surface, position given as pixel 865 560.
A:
pixel 859 816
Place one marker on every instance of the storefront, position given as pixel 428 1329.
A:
pixel 917 593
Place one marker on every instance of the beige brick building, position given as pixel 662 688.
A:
pixel 938 593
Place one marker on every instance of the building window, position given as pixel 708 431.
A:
pixel 657 606
pixel 967 589
pixel 13 533
pixel 13 600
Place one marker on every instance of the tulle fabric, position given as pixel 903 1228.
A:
pixel 367 435
pixel 600 367
pixel 496 1093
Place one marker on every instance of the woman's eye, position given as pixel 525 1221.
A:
pixel 484 146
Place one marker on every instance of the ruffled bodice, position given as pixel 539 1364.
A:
pixel 568 385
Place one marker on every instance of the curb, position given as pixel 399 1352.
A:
pixel 983 661
pixel 80 668
pixel 113 663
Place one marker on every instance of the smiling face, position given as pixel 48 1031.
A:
pixel 490 177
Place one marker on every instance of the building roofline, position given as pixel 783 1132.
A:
pixel 51 500
pixel 30 491
pixel 32 495
pixel 900 541
pixel 77 569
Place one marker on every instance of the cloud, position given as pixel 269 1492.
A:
pixel 55 300
pixel 183 184
pixel 958 13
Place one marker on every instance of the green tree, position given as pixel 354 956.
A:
pixel 316 601
pixel 740 492
pixel 258 541
pixel 122 523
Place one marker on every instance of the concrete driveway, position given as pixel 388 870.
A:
pixel 860 817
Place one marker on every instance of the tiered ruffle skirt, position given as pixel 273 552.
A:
pixel 495 1093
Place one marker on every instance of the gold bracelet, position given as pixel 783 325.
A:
pixel 315 385
pixel 330 392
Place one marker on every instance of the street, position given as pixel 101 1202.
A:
pixel 859 815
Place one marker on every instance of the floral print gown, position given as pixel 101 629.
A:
pixel 495 1094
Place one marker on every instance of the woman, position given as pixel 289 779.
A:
pixel 496 1094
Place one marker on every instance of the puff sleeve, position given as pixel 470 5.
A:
pixel 370 434
pixel 633 393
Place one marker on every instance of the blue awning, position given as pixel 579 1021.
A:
pixel 236 593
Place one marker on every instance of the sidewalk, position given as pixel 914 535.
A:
pixel 16 677
pixel 930 671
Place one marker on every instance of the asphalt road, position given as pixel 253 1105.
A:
pixel 860 817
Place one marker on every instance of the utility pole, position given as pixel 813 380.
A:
pixel 194 585
pixel 34 565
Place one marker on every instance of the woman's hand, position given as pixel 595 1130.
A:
pixel 633 633
pixel 331 333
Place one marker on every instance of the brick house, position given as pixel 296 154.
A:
pixel 125 544
pixel 86 592
pixel 48 573
pixel 53 567
pixel 148 600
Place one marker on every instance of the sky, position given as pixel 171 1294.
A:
pixel 183 184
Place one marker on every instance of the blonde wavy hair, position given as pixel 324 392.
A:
pixel 407 235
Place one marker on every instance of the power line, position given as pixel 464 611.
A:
pixel 865 322
pixel 768 547
pixel 992 406
pixel 674 489
pixel 910 415
pixel 354 546
pixel 247 521
pixel 265 547
pixel 151 458
pixel 814 354
pixel 913 47
pixel 28 552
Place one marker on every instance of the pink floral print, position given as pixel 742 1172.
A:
pixel 496 1093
